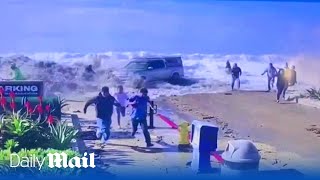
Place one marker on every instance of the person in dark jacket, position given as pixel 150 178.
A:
pixel 236 73
pixel 88 73
pixel 89 69
pixel 228 67
pixel 139 114
pixel 282 83
pixel 104 103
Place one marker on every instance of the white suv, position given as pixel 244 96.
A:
pixel 156 68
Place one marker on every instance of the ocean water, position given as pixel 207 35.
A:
pixel 204 73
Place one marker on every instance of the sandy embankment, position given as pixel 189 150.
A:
pixel 288 132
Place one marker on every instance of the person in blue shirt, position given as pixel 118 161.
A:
pixel 139 114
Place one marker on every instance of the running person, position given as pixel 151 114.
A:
pixel 122 98
pixel 271 73
pixel 104 103
pixel 282 83
pixel 236 73
pixel 139 114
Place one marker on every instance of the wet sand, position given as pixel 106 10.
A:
pixel 287 127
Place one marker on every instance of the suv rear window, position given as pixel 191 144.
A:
pixel 174 62
pixel 158 64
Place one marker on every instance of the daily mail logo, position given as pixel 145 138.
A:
pixel 55 160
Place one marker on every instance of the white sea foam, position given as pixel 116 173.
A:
pixel 204 72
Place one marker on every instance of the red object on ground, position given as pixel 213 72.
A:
pixel 168 121
pixel 217 157
pixel 175 126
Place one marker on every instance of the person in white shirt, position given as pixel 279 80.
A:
pixel 122 99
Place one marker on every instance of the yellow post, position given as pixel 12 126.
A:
pixel 184 136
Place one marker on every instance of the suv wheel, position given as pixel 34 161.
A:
pixel 175 78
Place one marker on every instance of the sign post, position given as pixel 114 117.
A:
pixel 23 88
pixel 152 111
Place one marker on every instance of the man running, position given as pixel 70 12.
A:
pixel 282 83
pixel 271 73
pixel 236 73
pixel 139 114
pixel 104 103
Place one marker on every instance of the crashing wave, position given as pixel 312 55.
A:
pixel 62 72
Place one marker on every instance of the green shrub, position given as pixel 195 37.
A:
pixel 62 135
pixel 313 94
pixel 62 103
pixel 11 145
pixel 29 133
pixel 18 124
pixel 5 155
pixel 33 134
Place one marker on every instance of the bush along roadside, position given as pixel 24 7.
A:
pixel 32 128
pixel 34 125
pixel 313 94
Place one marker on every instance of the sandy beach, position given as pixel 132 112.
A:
pixel 291 131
